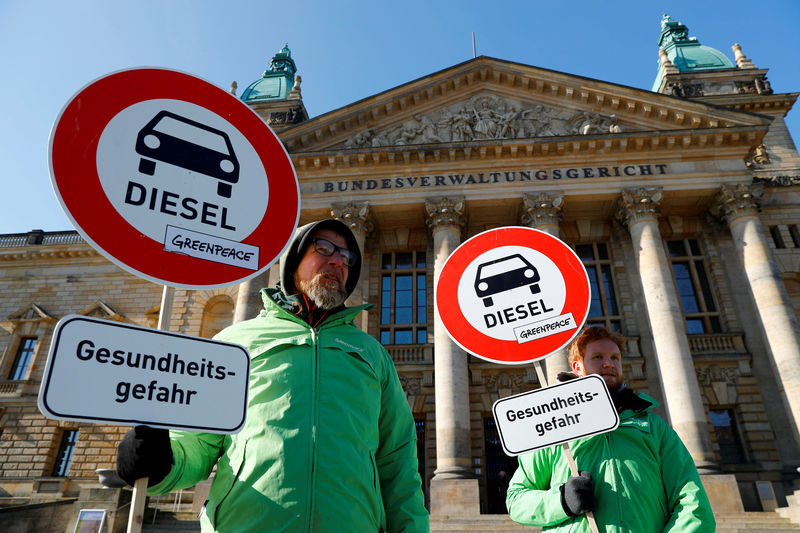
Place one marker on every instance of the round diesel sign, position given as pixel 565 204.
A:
pixel 173 178
pixel 513 295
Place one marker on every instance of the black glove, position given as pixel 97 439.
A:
pixel 144 452
pixel 565 376
pixel 577 494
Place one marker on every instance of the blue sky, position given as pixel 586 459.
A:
pixel 345 51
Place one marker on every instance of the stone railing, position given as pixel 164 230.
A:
pixel 717 343
pixel 12 240
pixel 12 388
pixel 411 353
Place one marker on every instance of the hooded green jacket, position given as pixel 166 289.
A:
pixel 329 443
pixel 644 481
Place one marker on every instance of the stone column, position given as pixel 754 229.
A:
pixel 542 211
pixel 739 206
pixel 248 298
pixel 356 216
pixel 454 491
pixel 639 209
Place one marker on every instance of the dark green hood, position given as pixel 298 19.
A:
pixel 301 241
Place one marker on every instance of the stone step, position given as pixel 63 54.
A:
pixel 169 521
pixel 488 523
pixel 751 522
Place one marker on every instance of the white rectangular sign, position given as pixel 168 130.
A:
pixel 117 373
pixel 577 408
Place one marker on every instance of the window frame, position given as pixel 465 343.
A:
pixel 707 317
pixel 612 322
pixel 415 271
pixel 17 362
pixel 65 453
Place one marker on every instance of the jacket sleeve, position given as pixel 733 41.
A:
pixel 534 497
pixel 194 456
pixel 687 502
pixel 396 459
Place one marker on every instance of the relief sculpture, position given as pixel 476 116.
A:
pixel 484 118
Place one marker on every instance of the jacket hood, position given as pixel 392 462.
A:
pixel 302 240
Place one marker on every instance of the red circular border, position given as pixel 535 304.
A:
pixel 498 350
pixel 73 150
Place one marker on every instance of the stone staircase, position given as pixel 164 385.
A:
pixel 793 511
pixel 177 513
pixel 749 522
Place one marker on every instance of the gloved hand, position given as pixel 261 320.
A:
pixel 144 452
pixel 577 494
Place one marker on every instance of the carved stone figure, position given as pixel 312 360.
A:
pixel 486 124
pixel 427 131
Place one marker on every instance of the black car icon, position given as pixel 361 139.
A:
pixel 188 144
pixel 505 274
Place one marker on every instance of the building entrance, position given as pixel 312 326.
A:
pixel 499 469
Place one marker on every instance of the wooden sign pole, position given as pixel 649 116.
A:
pixel 136 516
pixel 573 467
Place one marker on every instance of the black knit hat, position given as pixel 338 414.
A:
pixel 302 240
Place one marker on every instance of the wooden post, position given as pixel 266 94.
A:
pixel 136 516
pixel 573 467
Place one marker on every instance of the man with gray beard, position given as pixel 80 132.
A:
pixel 329 443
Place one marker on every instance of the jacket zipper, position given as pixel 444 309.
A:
pixel 314 401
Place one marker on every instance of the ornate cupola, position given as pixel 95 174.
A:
pixel 689 69
pixel 276 96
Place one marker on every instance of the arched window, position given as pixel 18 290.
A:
pixel 217 315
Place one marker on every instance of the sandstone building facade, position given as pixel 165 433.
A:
pixel 682 203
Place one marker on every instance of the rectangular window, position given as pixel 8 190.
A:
pixel 694 287
pixel 730 445
pixel 603 308
pixel 793 231
pixel 64 457
pixel 775 231
pixel 19 367
pixel 404 298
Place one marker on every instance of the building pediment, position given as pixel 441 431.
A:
pixel 101 310
pixel 487 100
pixel 30 313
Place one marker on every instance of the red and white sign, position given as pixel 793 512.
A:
pixel 513 295
pixel 173 178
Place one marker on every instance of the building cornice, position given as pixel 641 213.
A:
pixel 650 111
pixel 633 145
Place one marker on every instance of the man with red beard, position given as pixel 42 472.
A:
pixel 329 443
pixel 638 478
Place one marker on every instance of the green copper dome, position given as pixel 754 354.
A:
pixel 277 80
pixel 686 53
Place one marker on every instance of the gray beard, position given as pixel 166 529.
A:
pixel 322 293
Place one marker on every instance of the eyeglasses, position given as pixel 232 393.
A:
pixel 327 249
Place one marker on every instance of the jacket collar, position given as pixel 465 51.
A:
pixel 276 301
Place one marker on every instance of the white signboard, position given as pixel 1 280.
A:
pixel 111 372
pixel 567 411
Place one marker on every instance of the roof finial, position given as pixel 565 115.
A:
pixel 741 59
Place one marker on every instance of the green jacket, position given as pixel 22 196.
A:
pixel 644 481
pixel 329 443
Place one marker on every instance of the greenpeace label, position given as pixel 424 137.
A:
pixel 211 248
pixel 543 328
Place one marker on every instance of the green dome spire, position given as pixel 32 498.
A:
pixel 686 53
pixel 277 80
